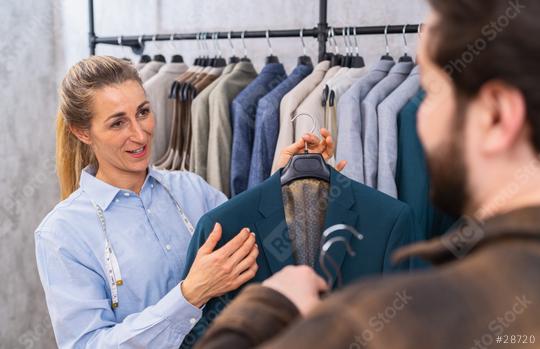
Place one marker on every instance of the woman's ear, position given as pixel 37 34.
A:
pixel 82 135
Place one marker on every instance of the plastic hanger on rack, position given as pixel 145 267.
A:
pixel 405 57
pixel 387 56
pixel 233 58
pixel 304 59
pixel 176 58
pixel 306 165
pixel 219 61
pixel 357 61
pixel 245 58
pixel 336 58
pixel 270 58
pixel 144 58
pixel 157 57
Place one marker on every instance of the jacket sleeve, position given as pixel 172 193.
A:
pixel 403 233
pixel 255 316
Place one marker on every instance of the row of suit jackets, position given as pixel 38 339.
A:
pixel 241 122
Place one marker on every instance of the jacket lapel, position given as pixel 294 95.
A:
pixel 340 202
pixel 272 230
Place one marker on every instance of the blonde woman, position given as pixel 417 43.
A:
pixel 110 255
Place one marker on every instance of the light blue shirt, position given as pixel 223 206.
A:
pixel 150 241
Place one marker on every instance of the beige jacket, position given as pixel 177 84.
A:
pixel 288 106
pixel 200 126
pixel 218 165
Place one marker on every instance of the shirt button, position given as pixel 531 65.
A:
pixel 193 321
pixel 151 185
pixel 116 200
pixel 148 210
pixel 126 194
pixel 168 247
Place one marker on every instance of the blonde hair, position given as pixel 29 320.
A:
pixel 75 111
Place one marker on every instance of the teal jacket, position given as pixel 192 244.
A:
pixel 385 223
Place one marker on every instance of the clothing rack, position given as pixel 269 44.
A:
pixel 320 32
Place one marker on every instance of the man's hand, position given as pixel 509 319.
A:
pixel 300 284
pixel 315 145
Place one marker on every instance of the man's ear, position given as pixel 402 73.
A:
pixel 82 135
pixel 506 115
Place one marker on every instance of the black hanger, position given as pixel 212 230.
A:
pixel 245 58
pixel 305 165
pixel 357 61
pixel 145 59
pixel 304 59
pixel 387 56
pixel 405 57
pixel 159 58
pixel 177 59
pixel 270 59
pixel 233 58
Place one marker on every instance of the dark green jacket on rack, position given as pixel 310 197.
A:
pixel 412 177
pixel 385 223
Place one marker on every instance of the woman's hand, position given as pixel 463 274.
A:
pixel 215 273
pixel 324 147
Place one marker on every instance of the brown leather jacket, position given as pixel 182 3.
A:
pixel 485 288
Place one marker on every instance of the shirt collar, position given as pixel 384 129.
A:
pixel 102 193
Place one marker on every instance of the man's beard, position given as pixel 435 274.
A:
pixel 448 172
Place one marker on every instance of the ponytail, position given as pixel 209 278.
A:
pixel 72 156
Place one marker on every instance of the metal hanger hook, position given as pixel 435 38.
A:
pixel 405 39
pixel 242 36
pixel 268 42
pixel 171 40
pixel 140 40
pixel 386 40
pixel 302 41
pixel 229 35
pixel 313 128
pixel 324 256
pixel 356 42
pixel 345 40
pixel 333 37
pixel 339 227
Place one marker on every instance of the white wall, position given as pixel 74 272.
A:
pixel 135 17
pixel 42 38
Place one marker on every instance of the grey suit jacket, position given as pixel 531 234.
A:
pixel 218 165
pixel 288 105
pixel 349 139
pixel 388 112
pixel 157 91
pixel 150 69
pixel 370 128
pixel 200 126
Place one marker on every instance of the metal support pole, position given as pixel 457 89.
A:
pixel 91 33
pixel 322 28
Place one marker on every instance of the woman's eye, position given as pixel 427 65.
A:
pixel 144 112
pixel 117 124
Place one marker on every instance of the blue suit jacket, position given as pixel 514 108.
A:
pixel 385 223
pixel 243 113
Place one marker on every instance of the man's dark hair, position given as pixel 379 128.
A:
pixel 476 41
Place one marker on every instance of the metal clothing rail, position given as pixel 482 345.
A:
pixel 320 32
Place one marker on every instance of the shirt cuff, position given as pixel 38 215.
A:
pixel 175 308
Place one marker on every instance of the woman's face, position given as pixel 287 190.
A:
pixel 121 128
